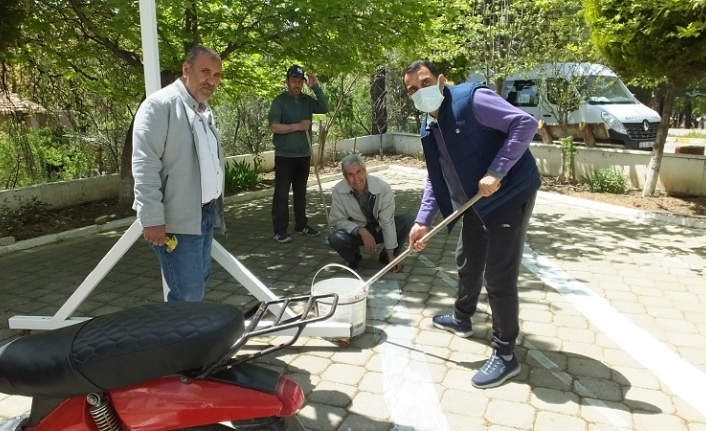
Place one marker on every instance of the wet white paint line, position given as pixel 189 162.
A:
pixel 618 423
pixel 685 380
pixel 408 390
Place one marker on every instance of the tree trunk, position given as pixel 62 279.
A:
pixel 688 114
pixel 500 86
pixel 127 182
pixel 658 149
pixel 377 98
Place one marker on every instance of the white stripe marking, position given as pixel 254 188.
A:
pixel 407 385
pixel 547 363
pixel 684 379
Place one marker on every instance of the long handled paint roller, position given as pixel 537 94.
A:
pixel 453 216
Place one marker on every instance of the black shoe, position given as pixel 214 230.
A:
pixel 383 258
pixel 308 231
pixel 355 263
pixel 282 237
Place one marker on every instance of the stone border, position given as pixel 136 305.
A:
pixel 625 213
pixel 125 222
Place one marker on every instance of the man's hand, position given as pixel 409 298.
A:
pixel 415 235
pixel 155 235
pixel 304 125
pixel 488 185
pixel 311 80
pixel 368 240
pixel 396 268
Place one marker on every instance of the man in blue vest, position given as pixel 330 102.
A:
pixel 476 142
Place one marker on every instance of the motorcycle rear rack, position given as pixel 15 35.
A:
pixel 278 324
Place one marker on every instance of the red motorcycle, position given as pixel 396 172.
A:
pixel 156 367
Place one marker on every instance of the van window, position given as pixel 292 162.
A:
pixel 521 93
pixel 561 92
pixel 605 90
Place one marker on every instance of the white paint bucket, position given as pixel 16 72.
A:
pixel 352 296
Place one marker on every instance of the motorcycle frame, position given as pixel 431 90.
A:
pixel 178 402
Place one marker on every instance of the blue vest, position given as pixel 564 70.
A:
pixel 472 149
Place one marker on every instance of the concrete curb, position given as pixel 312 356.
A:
pixel 69 234
pixel 626 213
pixel 622 212
pixel 125 222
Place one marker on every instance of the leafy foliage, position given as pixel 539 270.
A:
pixel 661 40
pixel 33 156
pixel 12 15
pixel 607 181
pixel 497 38
pixel 241 175
pixel 651 38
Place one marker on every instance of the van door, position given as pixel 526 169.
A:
pixel 523 93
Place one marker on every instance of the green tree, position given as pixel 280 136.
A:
pixel 497 38
pixel 12 15
pixel 652 39
pixel 254 38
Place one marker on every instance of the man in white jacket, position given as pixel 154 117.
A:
pixel 363 214
pixel 178 165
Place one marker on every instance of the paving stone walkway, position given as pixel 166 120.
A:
pixel 613 322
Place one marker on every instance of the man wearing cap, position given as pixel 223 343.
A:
pixel 290 121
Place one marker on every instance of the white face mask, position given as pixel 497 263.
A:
pixel 428 99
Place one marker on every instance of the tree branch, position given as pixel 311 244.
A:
pixel 128 56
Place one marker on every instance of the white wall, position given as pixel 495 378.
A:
pixel 64 194
pixel 680 173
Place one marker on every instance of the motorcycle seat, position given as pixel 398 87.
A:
pixel 119 349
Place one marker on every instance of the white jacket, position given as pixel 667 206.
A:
pixel 346 214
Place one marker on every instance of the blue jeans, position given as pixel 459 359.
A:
pixel 188 267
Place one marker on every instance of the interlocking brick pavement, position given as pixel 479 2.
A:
pixel 575 375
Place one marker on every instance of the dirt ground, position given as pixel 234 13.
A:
pixel 85 215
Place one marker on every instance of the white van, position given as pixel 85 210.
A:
pixel 606 100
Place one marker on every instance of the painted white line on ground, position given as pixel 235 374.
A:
pixel 684 379
pixel 407 384
pixel 618 423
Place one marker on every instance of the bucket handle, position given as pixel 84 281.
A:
pixel 338 265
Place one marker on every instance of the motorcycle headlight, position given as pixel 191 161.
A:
pixel 613 122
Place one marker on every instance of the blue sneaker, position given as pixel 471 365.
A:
pixel 462 328
pixel 495 371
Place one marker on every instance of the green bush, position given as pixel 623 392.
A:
pixel 241 176
pixel 607 181
pixel 13 221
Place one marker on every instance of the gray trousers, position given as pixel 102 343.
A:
pixel 348 246
pixel 493 253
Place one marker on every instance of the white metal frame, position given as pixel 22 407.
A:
pixel 62 318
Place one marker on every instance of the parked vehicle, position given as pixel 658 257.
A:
pixel 156 367
pixel 602 98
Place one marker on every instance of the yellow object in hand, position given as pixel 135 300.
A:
pixel 170 243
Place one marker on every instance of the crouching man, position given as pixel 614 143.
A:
pixel 363 214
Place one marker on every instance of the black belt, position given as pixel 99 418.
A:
pixel 207 205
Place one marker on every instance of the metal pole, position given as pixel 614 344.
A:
pixel 150 46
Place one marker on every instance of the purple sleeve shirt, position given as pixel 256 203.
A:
pixel 493 112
